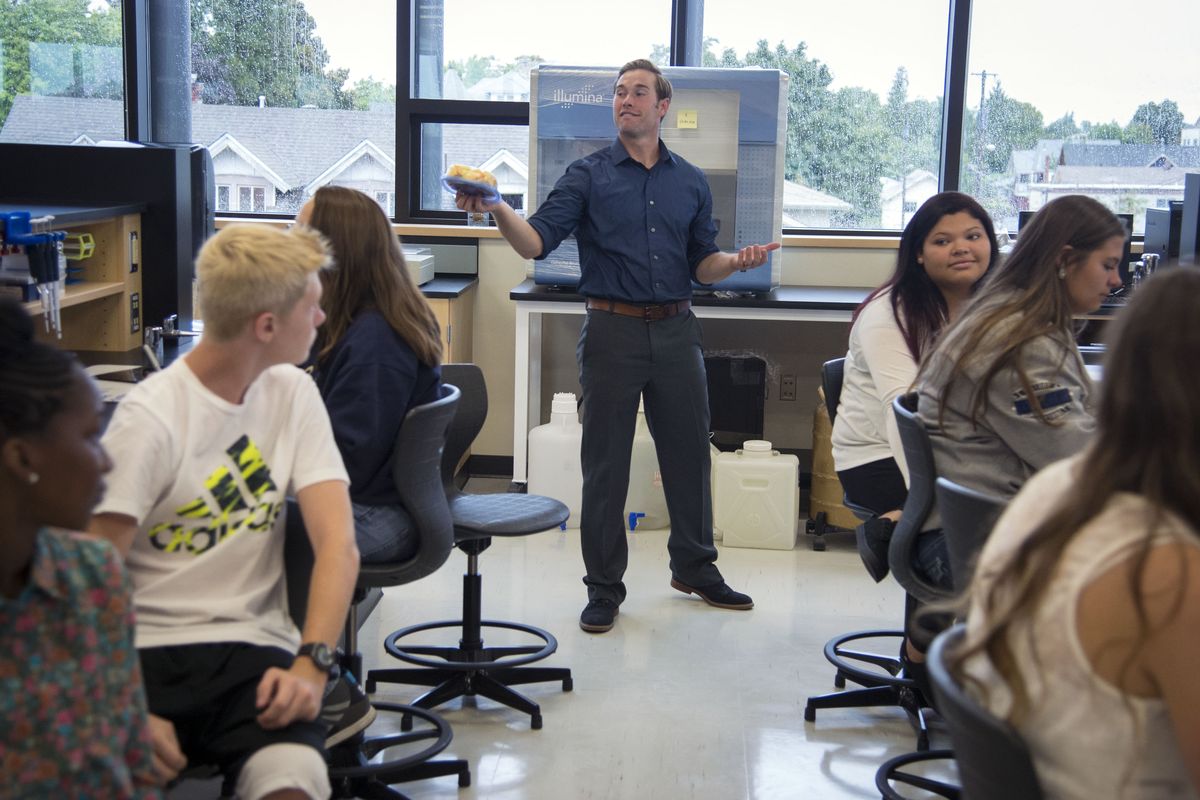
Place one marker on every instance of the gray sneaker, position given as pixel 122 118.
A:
pixel 346 710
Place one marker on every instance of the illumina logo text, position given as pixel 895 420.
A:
pixel 585 97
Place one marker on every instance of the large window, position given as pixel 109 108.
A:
pixel 381 95
pixel 470 78
pixel 290 96
pixel 864 100
pixel 61 79
pixel 471 50
pixel 502 150
pixel 1068 112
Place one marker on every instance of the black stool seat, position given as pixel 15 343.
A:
pixel 482 516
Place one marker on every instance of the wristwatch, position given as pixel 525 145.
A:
pixel 320 654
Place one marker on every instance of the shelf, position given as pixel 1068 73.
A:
pixel 77 293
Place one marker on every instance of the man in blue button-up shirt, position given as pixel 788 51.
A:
pixel 643 219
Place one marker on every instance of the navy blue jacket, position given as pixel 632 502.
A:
pixel 369 381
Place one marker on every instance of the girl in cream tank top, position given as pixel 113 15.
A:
pixel 1088 739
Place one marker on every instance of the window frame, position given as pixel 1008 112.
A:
pixel 686 48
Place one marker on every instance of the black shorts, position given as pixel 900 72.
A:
pixel 878 485
pixel 207 691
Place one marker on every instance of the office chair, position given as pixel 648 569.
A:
pixel 993 761
pixel 472 668
pixel 416 465
pixel 879 688
pixel 832 374
pixel 968 517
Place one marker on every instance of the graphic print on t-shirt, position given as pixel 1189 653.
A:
pixel 227 509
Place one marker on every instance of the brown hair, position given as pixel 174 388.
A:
pixel 1147 443
pixel 368 273
pixel 1026 288
pixel 662 86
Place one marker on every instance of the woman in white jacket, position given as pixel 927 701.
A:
pixel 945 250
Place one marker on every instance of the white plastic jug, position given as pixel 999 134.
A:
pixel 554 466
pixel 756 497
pixel 645 503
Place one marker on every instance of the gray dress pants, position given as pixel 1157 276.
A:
pixel 622 358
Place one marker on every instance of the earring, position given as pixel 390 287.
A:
pixel 34 478
pixel 1062 273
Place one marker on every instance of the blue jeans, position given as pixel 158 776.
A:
pixel 932 559
pixel 383 533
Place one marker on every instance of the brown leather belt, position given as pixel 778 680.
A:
pixel 648 313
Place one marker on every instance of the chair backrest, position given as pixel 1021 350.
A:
pixel 918 453
pixel 417 472
pixel 993 761
pixel 416 467
pixel 968 517
pixel 468 418
pixel 832 373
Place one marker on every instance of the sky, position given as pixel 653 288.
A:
pixel 1089 57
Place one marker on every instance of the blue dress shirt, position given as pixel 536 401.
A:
pixel 641 232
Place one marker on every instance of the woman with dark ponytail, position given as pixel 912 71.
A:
pixel 71 701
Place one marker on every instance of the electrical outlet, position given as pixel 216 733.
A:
pixel 787 387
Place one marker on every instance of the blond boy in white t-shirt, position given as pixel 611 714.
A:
pixel 206 453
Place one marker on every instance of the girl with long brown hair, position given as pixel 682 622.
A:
pixel 377 355
pixel 1005 392
pixel 1084 611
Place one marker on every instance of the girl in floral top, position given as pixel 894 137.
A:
pixel 72 709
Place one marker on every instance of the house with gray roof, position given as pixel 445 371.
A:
pixel 1128 178
pixel 272 159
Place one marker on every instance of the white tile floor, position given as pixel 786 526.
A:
pixel 679 700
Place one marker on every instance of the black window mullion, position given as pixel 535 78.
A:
pixel 954 97
pixel 135 34
pixel 404 49
pixel 482 111
pixel 687 33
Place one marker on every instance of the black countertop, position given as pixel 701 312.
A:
pixel 72 215
pixel 448 286
pixel 830 298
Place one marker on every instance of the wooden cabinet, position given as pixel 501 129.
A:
pixel 103 311
pixel 454 317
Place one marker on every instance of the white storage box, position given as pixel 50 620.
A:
pixel 756 497
pixel 420 263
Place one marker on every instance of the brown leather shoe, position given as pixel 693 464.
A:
pixel 717 594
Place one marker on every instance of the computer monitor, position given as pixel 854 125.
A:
pixel 1162 232
pixel 1189 227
